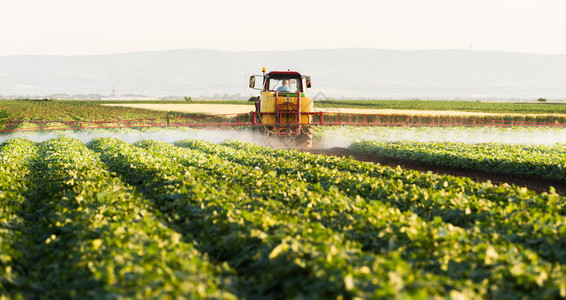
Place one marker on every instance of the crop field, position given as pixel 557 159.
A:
pixel 39 114
pixel 160 213
pixel 27 110
pixel 438 105
pixel 3 118
pixel 471 106
pixel 207 108
pixel 110 219
pixel 17 112
pixel 537 160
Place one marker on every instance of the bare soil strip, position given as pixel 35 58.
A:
pixel 216 109
pixel 531 182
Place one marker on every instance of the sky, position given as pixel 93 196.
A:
pixel 71 27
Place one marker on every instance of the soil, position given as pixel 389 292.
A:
pixel 193 108
pixel 531 182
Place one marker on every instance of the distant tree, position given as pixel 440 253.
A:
pixel 188 99
pixel 541 99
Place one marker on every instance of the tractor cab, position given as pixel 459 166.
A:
pixel 283 82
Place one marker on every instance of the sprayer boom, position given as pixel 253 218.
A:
pixel 251 120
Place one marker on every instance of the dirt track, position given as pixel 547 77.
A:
pixel 533 183
pixel 193 108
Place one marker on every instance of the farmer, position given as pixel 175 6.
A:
pixel 284 87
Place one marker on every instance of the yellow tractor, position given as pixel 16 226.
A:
pixel 283 108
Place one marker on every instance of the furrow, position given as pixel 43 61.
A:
pixel 89 236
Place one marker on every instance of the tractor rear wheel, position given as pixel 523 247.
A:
pixel 304 139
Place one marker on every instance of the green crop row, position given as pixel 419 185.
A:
pixel 472 204
pixel 265 239
pixel 480 209
pixel 15 161
pixel 428 119
pixel 201 220
pixel 536 160
pixel 85 234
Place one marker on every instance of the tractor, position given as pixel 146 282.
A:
pixel 283 108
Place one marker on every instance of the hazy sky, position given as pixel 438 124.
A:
pixel 71 27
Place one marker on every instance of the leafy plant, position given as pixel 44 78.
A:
pixel 536 160
pixel 200 220
pixel 3 118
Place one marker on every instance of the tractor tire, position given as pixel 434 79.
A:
pixel 304 139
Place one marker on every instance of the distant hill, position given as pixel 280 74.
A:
pixel 336 72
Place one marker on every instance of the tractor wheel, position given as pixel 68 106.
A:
pixel 304 139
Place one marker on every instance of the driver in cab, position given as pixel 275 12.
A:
pixel 284 88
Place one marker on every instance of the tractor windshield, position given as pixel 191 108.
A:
pixel 284 85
